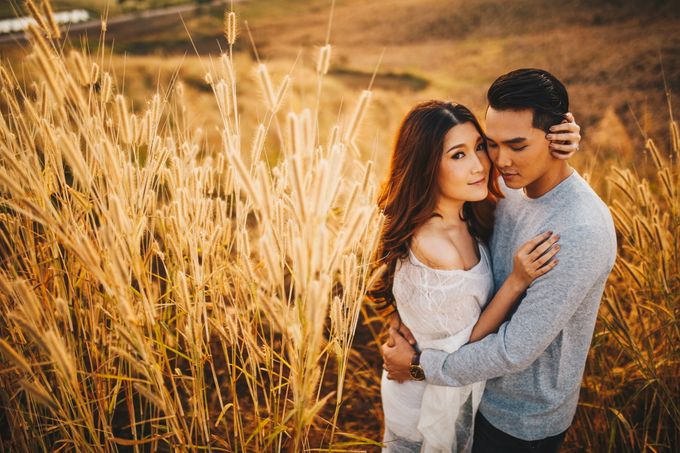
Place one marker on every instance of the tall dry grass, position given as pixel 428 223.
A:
pixel 156 294
pixel 629 401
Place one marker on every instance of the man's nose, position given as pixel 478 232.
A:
pixel 502 159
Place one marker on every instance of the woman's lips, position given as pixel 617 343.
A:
pixel 478 182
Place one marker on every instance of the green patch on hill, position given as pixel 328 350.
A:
pixel 386 80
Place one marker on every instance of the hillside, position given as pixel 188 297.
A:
pixel 609 54
pixel 612 55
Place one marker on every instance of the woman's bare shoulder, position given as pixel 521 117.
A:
pixel 434 248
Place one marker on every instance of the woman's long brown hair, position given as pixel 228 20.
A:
pixel 408 196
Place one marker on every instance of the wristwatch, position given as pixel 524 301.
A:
pixel 416 371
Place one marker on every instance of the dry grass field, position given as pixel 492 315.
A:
pixel 185 238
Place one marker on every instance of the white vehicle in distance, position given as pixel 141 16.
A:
pixel 19 24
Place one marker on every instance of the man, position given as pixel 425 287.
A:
pixel 534 363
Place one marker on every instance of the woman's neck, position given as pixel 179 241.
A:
pixel 450 211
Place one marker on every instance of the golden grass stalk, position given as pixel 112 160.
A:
pixel 123 119
pixel 39 394
pixel 654 151
pixel 63 361
pixel 161 282
pixel 106 87
pixel 6 79
pixel 266 86
pixel 636 340
pixel 222 92
pixel 37 15
pixel 258 143
pixel 13 356
pixel 81 70
pixel 44 57
pixel 324 60
pixel 49 15
pixel 230 27
pixel 357 118
pixel 94 73
pixel 281 93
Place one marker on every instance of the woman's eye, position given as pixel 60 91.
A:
pixel 481 147
pixel 519 148
pixel 458 155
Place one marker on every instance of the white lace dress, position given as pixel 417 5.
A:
pixel 440 307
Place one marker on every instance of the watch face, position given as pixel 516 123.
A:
pixel 417 372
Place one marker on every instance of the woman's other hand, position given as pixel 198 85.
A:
pixel 564 138
pixel 534 258
pixel 394 321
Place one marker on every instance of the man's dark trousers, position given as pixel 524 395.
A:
pixel 489 439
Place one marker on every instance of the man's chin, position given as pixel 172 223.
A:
pixel 513 182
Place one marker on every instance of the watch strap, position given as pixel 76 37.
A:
pixel 416 359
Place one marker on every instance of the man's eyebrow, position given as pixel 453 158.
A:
pixel 515 140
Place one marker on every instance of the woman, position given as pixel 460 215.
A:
pixel 439 200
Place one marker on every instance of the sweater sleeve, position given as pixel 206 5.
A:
pixel 585 258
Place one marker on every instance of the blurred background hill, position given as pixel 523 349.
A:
pixel 612 55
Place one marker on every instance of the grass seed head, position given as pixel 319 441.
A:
pixel 357 117
pixel 106 87
pixel 123 118
pixel 266 86
pixel 37 15
pixel 49 16
pixel 13 356
pixel 230 27
pixel 80 66
pixel 324 62
pixel 39 394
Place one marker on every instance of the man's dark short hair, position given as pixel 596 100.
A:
pixel 533 89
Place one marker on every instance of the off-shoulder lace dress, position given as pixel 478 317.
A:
pixel 440 307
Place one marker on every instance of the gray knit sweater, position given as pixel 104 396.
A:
pixel 534 364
